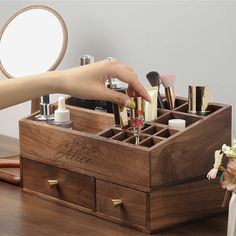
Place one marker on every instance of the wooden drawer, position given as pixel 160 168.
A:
pixel 72 187
pixel 132 209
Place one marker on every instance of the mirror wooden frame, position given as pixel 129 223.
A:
pixel 36 102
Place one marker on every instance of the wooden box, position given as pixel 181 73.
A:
pixel 97 168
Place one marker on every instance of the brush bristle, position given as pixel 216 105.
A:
pixel 154 78
pixel 168 80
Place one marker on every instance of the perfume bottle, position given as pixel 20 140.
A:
pixel 46 109
pixel 62 115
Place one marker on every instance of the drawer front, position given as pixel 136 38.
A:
pixel 59 183
pixel 117 201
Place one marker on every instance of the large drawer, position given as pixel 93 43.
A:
pixel 126 204
pixel 58 183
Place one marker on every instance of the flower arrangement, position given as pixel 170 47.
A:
pixel 228 177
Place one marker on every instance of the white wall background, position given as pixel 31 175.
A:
pixel 195 40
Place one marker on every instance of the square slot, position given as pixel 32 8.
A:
pixel 132 139
pixel 183 108
pixel 178 102
pixel 146 125
pixel 161 112
pixel 110 133
pixel 211 108
pixel 122 136
pixel 150 142
pixel 190 119
pixel 153 129
pixel 166 133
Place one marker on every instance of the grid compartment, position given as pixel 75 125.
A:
pixel 153 129
pixel 178 102
pixel 132 139
pixel 161 112
pixel 110 133
pixel 166 133
pixel 122 136
pixel 146 125
pixel 211 108
pixel 190 119
pixel 150 142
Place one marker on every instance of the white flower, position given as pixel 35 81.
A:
pixel 218 159
pixel 230 153
pixel 212 173
pixel 234 146
pixel 225 148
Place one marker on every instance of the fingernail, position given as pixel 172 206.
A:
pixel 130 104
pixel 150 99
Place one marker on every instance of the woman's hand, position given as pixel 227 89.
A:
pixel 82 82
pixel 89 82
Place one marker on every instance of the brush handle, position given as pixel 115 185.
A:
pixel 160 102
pixel 170 97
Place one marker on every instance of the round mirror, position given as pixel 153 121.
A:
pixel 32 41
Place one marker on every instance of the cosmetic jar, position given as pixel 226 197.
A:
pixel 177 123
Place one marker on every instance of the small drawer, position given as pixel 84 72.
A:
pixel 117 201
pixel 58 183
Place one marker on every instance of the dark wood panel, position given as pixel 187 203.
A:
pixel 185 202
pixel 190 153
pixel 72 187
pixel 23 214
pixel 63 147
pixel 90 121
pixel 133 207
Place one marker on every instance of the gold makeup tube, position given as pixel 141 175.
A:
pixel 150 109
pixel 170 97
pixel 198 99
pixel 120 115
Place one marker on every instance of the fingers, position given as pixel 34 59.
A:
pixel 131 92
pixel 126 74
pixel 115 97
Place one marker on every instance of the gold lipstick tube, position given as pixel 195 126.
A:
pixel 199 98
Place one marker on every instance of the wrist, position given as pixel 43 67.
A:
pixel 51 83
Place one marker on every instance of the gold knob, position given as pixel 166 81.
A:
pixel 117 202
pixel 53 182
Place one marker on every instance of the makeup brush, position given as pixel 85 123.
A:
pixel 154 79
pixel 169 83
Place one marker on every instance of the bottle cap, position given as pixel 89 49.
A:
pixel 61 113
pixel 86 59
pixel 177 123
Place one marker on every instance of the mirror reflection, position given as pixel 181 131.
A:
pixel 32 41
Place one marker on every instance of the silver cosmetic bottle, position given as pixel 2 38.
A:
pixel 46 110
pixel 86 59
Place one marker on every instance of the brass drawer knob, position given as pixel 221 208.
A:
pixel 117 202
pixel 53 182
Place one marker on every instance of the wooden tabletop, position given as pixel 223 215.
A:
pixel 26 215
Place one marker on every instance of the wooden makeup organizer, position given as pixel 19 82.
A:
pixel 97 168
